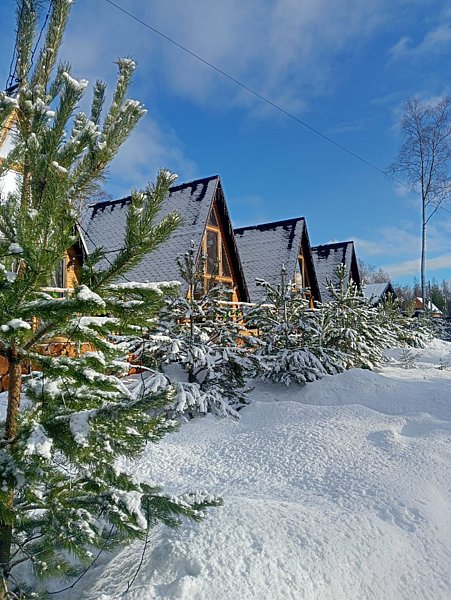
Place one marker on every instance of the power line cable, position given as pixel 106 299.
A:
pixel 256 94
pixel 12 73
pixel 86 233
pixel 40 33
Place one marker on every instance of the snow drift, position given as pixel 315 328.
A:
pixel 339 490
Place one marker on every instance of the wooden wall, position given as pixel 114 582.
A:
pixel 73 266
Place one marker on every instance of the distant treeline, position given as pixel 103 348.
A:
pixel 438 293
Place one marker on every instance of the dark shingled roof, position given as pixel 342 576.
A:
pixel 327 258
pixel 104 226
pixel 265 248
pixel 375 292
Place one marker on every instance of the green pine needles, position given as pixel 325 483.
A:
pixel 69 419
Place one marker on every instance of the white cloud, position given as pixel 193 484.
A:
pixel 412 266
pixel 401 47
pixel 402 190
pixel 149 148
pixel 433 42
pixel 389 241
pixel 397 249
pixel 348 127
pixel 285 49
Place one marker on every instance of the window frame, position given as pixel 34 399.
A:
pixel 228 280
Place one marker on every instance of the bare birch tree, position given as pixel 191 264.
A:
pixel 424 158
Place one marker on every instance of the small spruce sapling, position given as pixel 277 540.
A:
pixel 199 346
pixel 408 358
pixel 351 325
pixel 402 330
pixel 289 333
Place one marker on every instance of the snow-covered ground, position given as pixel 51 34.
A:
pixel 339 490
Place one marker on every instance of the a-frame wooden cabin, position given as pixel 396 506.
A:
pixel 265 248
pixel 327 258
pixel 205 222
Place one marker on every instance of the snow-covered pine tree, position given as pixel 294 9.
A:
pixel 63 495
pixel 440 328
pixel 198 346
pixel 290 337
pixel 406 330
pixel 351 325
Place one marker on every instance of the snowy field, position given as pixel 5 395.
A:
pixel 339 490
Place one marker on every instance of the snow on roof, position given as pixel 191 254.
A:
pixel 104 226
pixel 431 306
pixel 265 248
pixel 8 183
pixel 375 291
pixel 327 258
pixel 7 145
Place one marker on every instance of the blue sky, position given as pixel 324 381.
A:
pixel 344 67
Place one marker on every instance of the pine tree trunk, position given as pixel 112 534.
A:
pixel 15 380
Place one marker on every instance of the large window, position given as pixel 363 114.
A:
pixel 218 267
pixel 299 274
pixel 301 279
pixel 59 277
pixel 212 247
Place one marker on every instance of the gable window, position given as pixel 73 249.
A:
pixel 212 220
pixel 226 271
pixel 301 280
pixel 214 248
pixel 59 277
pixel 299 274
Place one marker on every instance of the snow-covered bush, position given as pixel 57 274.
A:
pixel 440 328
pixel 290 345
pixel 352 326
pixel 408 358
pixel 198 346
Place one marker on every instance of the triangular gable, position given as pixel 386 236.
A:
pixel 266 247
pixel 327 258
pixel 375 292
pixel 220 249
pixel 104 226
